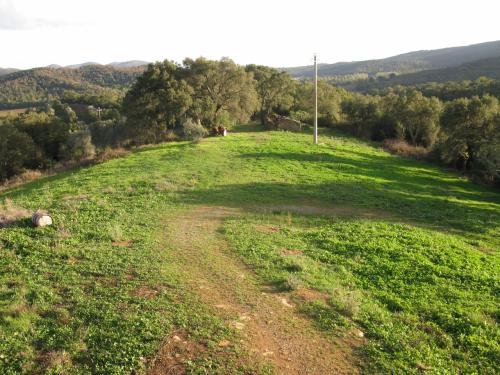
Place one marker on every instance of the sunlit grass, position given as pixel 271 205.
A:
pixel 67 301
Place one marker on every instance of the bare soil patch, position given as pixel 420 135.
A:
pixel 174 353
pixel 271 330
pixel 10 213
pixel 311 295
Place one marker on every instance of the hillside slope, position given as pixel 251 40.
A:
pixel 407 62
pixel 35 85
pixel 466 72
pixel 215 257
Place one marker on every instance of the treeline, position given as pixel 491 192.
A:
pixel 449 90
pixel 38 139
pixel 171 101
pixel 463 133
pixel 219 93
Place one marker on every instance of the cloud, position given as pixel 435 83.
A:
pixel 12 19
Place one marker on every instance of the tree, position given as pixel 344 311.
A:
pixel 275 89
pixel 363 112
pixel 78 146
pixel 47 131
pixel 193 131
pixel 471 132
pixel 158 101
pixel 64 112
pixel 17 150
pixel 419 117
pixel 330 100
pixel 219 87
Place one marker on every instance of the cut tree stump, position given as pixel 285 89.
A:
pixel 41 219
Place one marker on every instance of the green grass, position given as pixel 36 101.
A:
pixel 422 298
pixel 425 291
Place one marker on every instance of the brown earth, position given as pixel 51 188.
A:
pixel 271 329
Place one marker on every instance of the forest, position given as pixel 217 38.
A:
pixel 34 87
pixel 456 124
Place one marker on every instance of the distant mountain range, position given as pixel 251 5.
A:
pixel 466 72
pixel 115 64
pixel 406 63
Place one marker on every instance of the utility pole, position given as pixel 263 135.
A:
pixel 315 101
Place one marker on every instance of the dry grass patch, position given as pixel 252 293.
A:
pixel 402 148
pixel 309 295
pixel 267 229
pixel 123 243
pixel 146 292
pixel 291 252
pixel 26 176
pixel 10 213
pixel 55 361
pixel 112 153
pixel 166 185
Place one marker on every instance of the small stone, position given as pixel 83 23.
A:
pixel 358 333
pixel 177 338
pixel 238 325
pixel 286 303
pixel 224 343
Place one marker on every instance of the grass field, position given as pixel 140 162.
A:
pixel 356 239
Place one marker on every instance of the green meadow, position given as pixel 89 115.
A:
pixel 400 250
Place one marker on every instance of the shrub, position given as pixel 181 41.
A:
pixel 302 116
pixel 17 151
pixel 403 148
pixel 193 131
pixel 78 146
pixel 49 133
pixel 111 153
pixel 106 133
pixel 225 120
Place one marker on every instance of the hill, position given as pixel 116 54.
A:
pixel 81 65
pixel 407 62
pixel 466 72
pixel 250 250
pixel 35 85
pixel 4 71
pixel 129 64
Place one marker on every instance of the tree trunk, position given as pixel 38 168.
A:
pixel 263 116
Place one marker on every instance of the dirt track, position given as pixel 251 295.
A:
pixel 272 331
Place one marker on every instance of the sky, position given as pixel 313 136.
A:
pixel 270 32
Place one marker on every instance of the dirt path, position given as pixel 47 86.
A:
pixel 273 332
